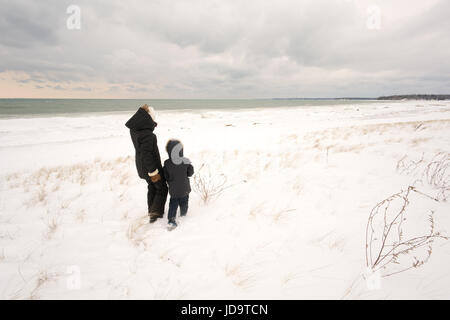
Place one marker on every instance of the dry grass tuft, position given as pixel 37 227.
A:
pixel 290 160
pixel 52 223
pixel 241 277
pixel 134 228
pixel 124 178
pixel 42 279
pixel 49 186
pixel 418 141
pixel 338 244
pixel 78 173
pixel 37 282
pixel 298 186
pixel 290 276
pixel 42 195
pixel 348 139
pixel 81 215
pixel 255 211
pixel 282 214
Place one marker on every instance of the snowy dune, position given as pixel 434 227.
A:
pixel 291 222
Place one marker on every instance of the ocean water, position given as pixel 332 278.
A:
pixel 13 108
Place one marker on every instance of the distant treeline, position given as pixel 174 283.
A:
pixel 417 97
pixel 344 98
pixel 397 97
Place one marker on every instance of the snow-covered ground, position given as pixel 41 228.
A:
pixel 290 224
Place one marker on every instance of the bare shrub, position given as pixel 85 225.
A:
pixel 437 174
pixel 207 185
pixel 407 166
pixel 391 246
pixel 387 247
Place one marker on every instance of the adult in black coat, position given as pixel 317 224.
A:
pixel 148 160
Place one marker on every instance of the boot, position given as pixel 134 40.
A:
pixel 153 216
pixel 172 225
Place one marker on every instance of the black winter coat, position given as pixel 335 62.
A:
pixel 141 127
pixel 177 175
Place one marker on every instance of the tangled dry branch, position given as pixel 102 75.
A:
pixel 207 185
pixel 407 166
pixel 435 173
pixel 386 242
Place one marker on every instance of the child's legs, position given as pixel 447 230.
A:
pixel 173 206
pixel 184 203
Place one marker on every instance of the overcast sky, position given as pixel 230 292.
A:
pixel 224 49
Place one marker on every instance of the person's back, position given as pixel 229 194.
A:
pixel 141 126
pixel 148 161
pixel 177 170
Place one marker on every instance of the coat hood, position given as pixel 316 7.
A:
pixel 171 144
pixel 141 120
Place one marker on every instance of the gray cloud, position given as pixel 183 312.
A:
pixel 207 48
pixel 26 24
pixel 57 87
pixel 82 89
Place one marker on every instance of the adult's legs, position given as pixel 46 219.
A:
pixel 159 198
pixel 184 203
pixel 150 195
